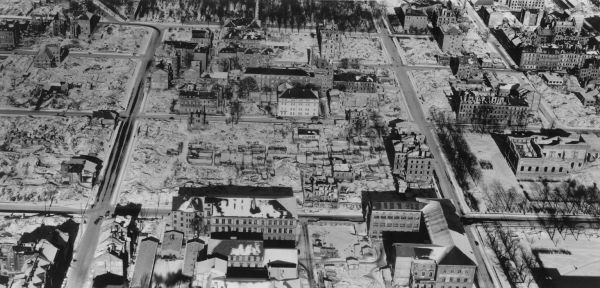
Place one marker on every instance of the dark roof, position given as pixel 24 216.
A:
pixel 393 201
pixel 109 280
pixel 197 94
pixel 277 71
pixel 105 114
pixel 353 77
pixel 182 44
pixel 237 191
pixel 306 131
pixel 298 93
pixel 200 33
pixel 282 264
pixel 415 12
pixel 225 247
pixel 456 257
pixel 245 272
pixel 228 49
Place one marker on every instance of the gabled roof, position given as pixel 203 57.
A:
pixel 298 93
pixel 233 191
pixel 456 257
pixel 277 71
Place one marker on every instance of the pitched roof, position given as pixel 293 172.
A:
pixel 145 261
pixel 277 71
pixel 232 191
pixel 456 257
pixel 298 93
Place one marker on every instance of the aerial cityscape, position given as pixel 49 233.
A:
pixel 299 143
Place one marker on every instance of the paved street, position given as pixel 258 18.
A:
pixel 447 188
pixel 84 254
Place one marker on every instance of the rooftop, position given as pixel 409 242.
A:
pixel 144 261
pixel 226 248
pixel 393 201
pixel 246 207
pixel 277 71
pixel 298 93
pixel 233 191
pixel 353 77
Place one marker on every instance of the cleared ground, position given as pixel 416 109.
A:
pixel 501 175
pixel 419 51
pixel 432 87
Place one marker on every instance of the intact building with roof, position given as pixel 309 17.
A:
pixel 193 98
pixel 412 18
pixel 171 244
pixel 525 4
pixel 273 77
pixel 392 212
pixel 144 264
pixel 446 259
pixel 268 213
pixel 231 262
pixel 549 155
pixel 449 37
pixel 298 102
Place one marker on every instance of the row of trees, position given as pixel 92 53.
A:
pixel 560 199
pixel 517 262
pixel 461 158
pixel 348 15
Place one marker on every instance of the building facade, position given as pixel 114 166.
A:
pixel 412 158
pixel 449 38
pixel 525 4
pixel 9 35
pixel 390 212
pixel 298 102
pixel 224 212
pixel 549 156
pixel 273 77
pixel 193 99
pixel 355 83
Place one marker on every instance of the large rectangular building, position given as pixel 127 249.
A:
pixel 297 102
pixel 490 103
pixel 240 212
pixel 392 212
pixel 525 4
pixel 535 156
pixel 273 77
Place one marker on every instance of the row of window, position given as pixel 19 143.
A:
pixel 262 222
pixel 395 225
pixel 252 230
pixel 418 172
pixel 403 217
pixel 537 169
